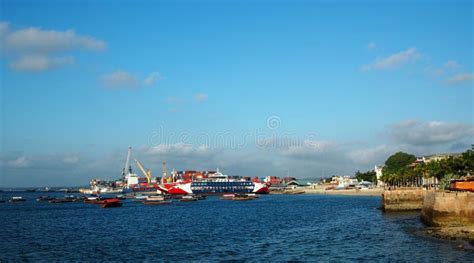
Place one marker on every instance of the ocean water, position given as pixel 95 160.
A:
pixel 271 228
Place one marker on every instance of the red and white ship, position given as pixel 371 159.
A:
pixel 216 183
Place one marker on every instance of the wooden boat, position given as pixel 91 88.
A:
pixel 227 196
pixel 113 202
pixel 60 200
pixel 188 198
pixel 242 198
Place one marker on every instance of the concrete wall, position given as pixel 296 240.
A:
pixel 448 209
pixel 403 199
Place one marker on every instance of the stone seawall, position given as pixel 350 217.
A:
pixel 448 209
pixel 403 199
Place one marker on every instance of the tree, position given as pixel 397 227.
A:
pixel 398 161
pixel 369 176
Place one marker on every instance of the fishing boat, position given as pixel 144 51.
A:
pixel 15 199
pixel 242 198
pixel 156 200
pixel 188 198
pixel 44 198
pixel 112 202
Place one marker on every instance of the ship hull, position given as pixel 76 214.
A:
pixel 211 188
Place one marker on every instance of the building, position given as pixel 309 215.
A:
pixel 436 157
pixel 379 173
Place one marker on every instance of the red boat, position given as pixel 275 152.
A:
pixel 113 202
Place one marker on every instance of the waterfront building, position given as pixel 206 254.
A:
pixel 378 173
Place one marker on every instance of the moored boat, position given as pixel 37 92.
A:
pixel 15 199
pixel 112 202
pixel 44 198
pixel 188 198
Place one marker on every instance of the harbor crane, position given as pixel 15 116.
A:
pixel 145 171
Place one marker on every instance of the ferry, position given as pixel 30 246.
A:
pixel 216 183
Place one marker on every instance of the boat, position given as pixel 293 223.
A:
pixel 112 202
pixel 227 196
pixel 44 198
pixel 242 198
pixel 238 197
pixel 188 198
pixel 216 183
pixel 155 198
pixel 66 199
pixel 17 199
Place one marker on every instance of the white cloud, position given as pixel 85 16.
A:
pixel 460 78
pixel 371 46
pixel 35 49
pixel 430 133
pixel 201 97
pixel 38 40
pixel 39 62
pixel 372 155
pixel 394 60
pixel 179 150
pixel 152 79
pixel 452 64
pixel 4 28
pixel 120 79
pixel 19 162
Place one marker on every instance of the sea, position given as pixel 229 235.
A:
pixel 271 228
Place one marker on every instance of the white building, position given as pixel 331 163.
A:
pixel 378 173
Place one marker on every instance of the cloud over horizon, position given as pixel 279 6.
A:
pixel 36 49
pixel 430 133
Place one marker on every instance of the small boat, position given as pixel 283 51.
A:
pixel 141 197
pixel 17 199
pixel 242 197
pixel 44 198
pixel 188 198
pixel 112 202
pixel 227 196
pixel 155 198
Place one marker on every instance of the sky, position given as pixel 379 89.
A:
pixel 255 88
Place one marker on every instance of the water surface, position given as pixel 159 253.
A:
pixel 274 227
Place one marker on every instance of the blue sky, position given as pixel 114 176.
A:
pixel 348 83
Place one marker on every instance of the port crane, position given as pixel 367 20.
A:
pixel 145 171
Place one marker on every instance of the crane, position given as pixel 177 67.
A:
pixel 127 169
pixel 146 172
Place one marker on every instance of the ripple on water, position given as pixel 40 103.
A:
pixel 281 228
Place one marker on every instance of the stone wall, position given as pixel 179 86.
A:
pixel 448 209
pixel 403 199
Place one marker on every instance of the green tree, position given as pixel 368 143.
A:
pixel 369 176
pixel 398 161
